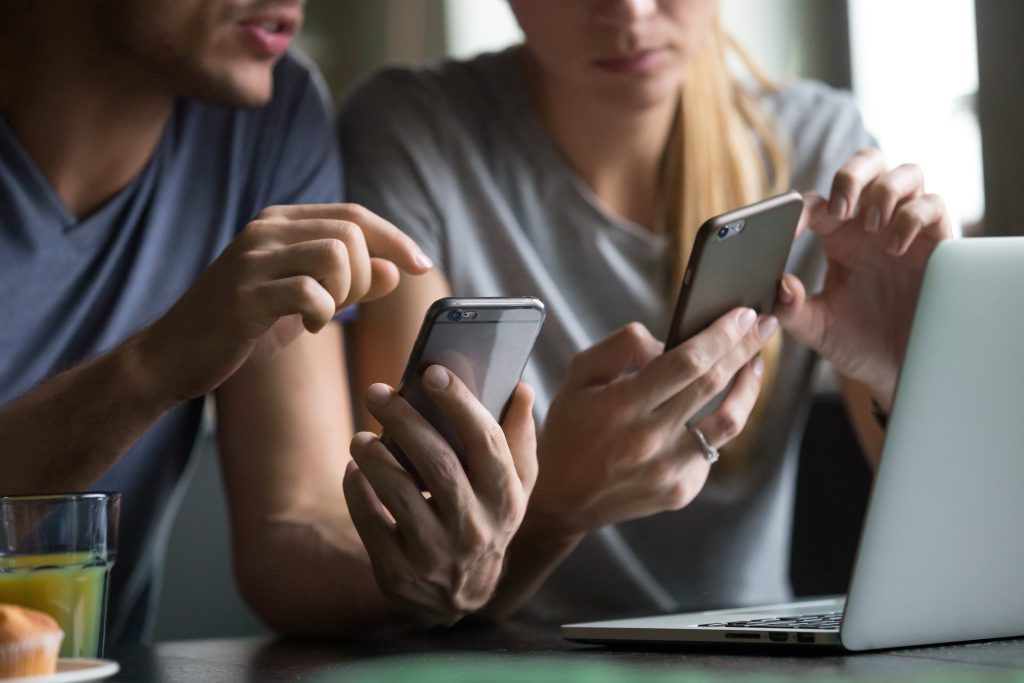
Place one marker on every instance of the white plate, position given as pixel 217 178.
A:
pixel 73 669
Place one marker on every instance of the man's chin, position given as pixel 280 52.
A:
pixel 237 91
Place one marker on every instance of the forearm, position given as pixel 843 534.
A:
pixel 64 434
pixel 308 580
pixel 537 550
pixel 284 429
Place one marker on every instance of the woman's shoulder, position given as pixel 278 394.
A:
pixel 822 126
pixel 805 98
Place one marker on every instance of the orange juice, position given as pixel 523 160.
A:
pixel 70 587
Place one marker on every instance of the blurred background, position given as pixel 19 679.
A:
pixel 939 84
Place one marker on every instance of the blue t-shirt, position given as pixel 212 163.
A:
pixel 71 289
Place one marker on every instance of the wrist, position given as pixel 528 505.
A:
pixel 880 414
pixel 549 529
pixel 881 402
pixel 139 368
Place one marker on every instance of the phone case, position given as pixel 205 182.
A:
pixel 740 269
pixel 731 267
pixel 486 342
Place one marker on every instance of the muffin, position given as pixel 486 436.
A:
pixel 29 642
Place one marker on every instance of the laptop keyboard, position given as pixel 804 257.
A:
pixel 814 622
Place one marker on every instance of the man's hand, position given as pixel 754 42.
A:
pixel 292 267
pixel 440 558
pixel 878 229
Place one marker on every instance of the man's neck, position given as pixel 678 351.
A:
pixel 87 116
pixel 617 152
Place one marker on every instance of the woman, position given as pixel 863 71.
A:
pixel 576 168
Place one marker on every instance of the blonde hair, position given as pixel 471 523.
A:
pixel 722 154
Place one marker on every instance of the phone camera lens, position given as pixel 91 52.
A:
pixel 730 229
pixel 455 316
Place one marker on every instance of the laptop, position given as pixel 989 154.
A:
pixel 941 553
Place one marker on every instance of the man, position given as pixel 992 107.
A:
pixel 139 141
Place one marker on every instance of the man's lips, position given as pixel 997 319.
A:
pixel 270 34
pixel 635 62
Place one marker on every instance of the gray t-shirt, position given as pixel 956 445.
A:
pixel 455 156
pixel 70 288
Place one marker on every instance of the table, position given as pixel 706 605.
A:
pixel 521 651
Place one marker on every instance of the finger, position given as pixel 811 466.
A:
pixel 815 216
pixel 815 208
pixel 674 370
pixel 384 278
pixel 433 457
pixel 803 318
pixel 729 419
pixel 329 261
pixel 382 237
pixel 370 519
pixel 300 295
pixel 520 432
pixel 291 238
pixel 884 194
pixel 629 347
pixel 851 179
pixel 926 214
pixel 489 465
pixel 417 525
pixel 703 389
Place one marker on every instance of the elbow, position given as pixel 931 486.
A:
pixel 264 594
pixel 295 603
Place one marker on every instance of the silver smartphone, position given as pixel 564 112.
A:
pixel 738 259
pixel 486 342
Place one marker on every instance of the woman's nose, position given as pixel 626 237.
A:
pixel 622 11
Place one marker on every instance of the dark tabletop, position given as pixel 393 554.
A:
pixel 526 652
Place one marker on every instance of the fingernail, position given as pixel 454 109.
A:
pixel 746 319
pixel 436 377
pixel 424 260
pixel 894 245
pixel 766 327
pixel 838 207
pixel 874 220
pixel 360 439
pixel 378 394
pixel 785 295
pixel 757 365
pixel 351 466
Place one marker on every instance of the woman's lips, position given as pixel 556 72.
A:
pixel 267 36
pixel 638 62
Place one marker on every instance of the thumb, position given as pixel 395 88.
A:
pixel 629 347
pixel 802 317
pixel 384 278
pixel 521 435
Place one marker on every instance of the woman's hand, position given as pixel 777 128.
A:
pixel 878 229
pixel 291 268
pixel 615 445
pixel 440 558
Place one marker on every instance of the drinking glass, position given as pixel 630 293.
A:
pixel 56 552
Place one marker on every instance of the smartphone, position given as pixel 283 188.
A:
pixel 486 342
pixel 738 259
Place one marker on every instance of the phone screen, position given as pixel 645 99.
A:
pixel 485 342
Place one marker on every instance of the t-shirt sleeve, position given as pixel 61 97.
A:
pixel 296 146
pixel 824 128
pixel 393 145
